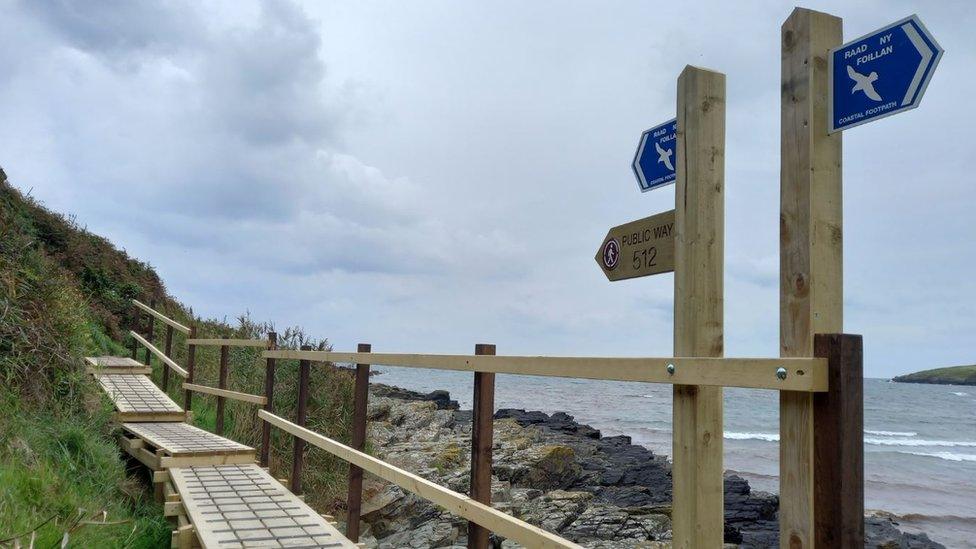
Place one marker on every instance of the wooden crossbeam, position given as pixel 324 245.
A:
pixel 233 395
pixel 228 342
pixel 165 319
pixel 802 374
pixel 160 355
pixel 458 504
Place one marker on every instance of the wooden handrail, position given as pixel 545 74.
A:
pixel 228 342
pixel 176 325
pixel 233 395
pixel 458 504
pixel 160 355
pixel 801 374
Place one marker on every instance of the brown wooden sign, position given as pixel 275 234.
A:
pixel 639 248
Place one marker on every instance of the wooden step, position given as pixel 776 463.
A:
pixel 238 506
pixel 137 398
pixel 183 445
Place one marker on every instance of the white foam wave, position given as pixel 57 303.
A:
pixel 890 433
pixel 948 456
pixel 918 442
pixel 768 437
pixel 961 394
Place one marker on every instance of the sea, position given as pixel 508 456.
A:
pixel 919 440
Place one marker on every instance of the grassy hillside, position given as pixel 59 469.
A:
pixel 65 293
pixel 955 375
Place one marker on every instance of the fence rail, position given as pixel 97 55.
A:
pixel 458 504
pixel 832 378
pixel 160 355
pixel 228 342
pixel 162 318
pixel 798 374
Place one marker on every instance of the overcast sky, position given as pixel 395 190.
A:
pixel 425 176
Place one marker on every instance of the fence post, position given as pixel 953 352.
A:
pixel 222 384
pixel 811 250
pixel 150 331
pixel 482 423
pixel 269 379
pixel 135 328
pixel 354 498
pixel 698 485
pixel 191 362
pixel 169 353
pixel 838 437
pixel 298 454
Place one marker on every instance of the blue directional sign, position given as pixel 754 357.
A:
pixel 880 74
pixel 656 156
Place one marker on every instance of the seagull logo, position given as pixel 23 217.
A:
pixel 863 83
pixel 663 155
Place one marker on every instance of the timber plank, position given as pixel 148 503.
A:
pixel 181 439
pixel 238 506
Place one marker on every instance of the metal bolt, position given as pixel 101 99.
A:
pixel 781 373
pixel 670 369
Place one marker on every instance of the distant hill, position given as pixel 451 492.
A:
pixel 955 375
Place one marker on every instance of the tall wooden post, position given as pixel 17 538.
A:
pixel 150 332
pixel 269 379
pixel 482 424
pixel 298 453
pixel 698 519
pixel 222 384
pixel 360 398
pixel 135 328
pixel 838 415
pixel 811 237
pixel 191 365
pixel 169 353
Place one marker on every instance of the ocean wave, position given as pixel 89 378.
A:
pixel 948 456
pixel 890 433
pixel 961 394
pixel 768 437
pixel 919 442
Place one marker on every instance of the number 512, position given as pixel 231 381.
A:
pixel 645 258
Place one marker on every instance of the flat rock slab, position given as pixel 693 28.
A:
pixel 137 398
pixel 181 439
pixel 238 506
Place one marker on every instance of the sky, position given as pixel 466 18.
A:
pixel 425 176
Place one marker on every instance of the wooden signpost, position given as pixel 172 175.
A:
pixel 639 248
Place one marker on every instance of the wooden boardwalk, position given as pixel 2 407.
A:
pixel 211 487
pixel 115 365
pixel 137 398
pixel 238 506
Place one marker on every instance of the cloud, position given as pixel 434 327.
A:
pixel 427 177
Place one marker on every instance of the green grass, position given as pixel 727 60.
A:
pixel 58 471
pixel 65 294
pixel 955 375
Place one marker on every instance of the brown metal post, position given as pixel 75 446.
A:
pixel 838 438
pixel 483 414
pixel 191 362
pixel 298 454
pixel 222 384
pixel 355 493
pixel 135 328
pixel 169 352
pixel 150 331
pixel 269 379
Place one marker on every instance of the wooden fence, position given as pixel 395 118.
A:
pixel 832 377
pixel 819 375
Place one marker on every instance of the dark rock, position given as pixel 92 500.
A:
pixel 441 398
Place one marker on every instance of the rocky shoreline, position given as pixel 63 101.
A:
pixel 549 470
